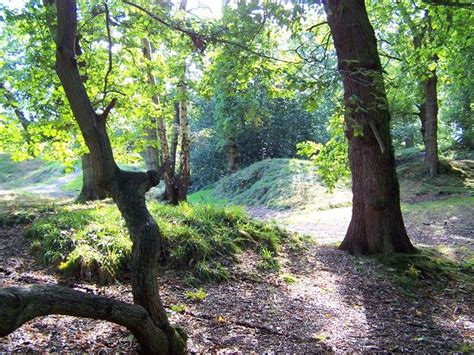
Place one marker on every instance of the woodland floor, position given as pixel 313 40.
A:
pixel 337 302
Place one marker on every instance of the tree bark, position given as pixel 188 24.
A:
pixel 430 124
pixel 90 189
pixel 152 153
pixel 18 305
pixel 377 223
pixel 184 159
pixel 128 191
pixel 232 156
pixel 467 121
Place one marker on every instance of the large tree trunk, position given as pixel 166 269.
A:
pixel 128 190
pixel 377 224
pixel 90 189
pixel 429 124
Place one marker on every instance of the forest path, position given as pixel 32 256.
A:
pixel 334 301
pixel 50 189
pixel 443 223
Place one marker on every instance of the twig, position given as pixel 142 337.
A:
pixel 200 41
pixel 109 38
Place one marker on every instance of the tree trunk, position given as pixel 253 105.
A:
pixel 377 223
pixel 90 190
pixel 184 164
pixel 152 154
pixel 466 121
pixel 429 124
pixel 232 156
pixel 171 190
pixel 409 140
pixel 128 191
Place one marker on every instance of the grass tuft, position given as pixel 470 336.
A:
pixel 92 241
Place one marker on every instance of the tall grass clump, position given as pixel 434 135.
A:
pixel 92 241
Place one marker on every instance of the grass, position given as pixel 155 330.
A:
pixel 427 265
pixel 274 183
pixel 74 185
pixel 26 173
pixel 92 241
pixel 456 177
pixel 207 196
pixel 441 205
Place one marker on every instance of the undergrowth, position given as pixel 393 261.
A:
pixel 410 271
pixel 92 241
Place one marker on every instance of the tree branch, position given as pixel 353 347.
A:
pixel 460 4
pixel 309 29
pixel 200 41
pixel 103 116
pixel 109 39
pixel 18 305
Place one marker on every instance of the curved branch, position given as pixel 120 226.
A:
pixel 18 305
pixel 200 41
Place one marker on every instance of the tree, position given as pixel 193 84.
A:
pixel 147 318
pixel 90 190
pixel 377 223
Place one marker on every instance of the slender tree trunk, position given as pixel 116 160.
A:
pixel 150 323
pixel 232 156
pixel 152 154
pixel 90 190
pixel 467 121
pixel 171 190
pixel 430 124
pixel 377 224
pixel 409 140
pixel 184 159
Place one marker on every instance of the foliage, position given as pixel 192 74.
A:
pixel 92 240
pixel 330 158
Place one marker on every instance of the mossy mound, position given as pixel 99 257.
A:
pixel 277 184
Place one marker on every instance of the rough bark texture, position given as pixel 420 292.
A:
pixel 377 224
pixel 21 304
pixel 90 190
pixel 429 124
pixel 128 190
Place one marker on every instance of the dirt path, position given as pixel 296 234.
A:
pixel 49 190
pixel 336 303
pixel 449 227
